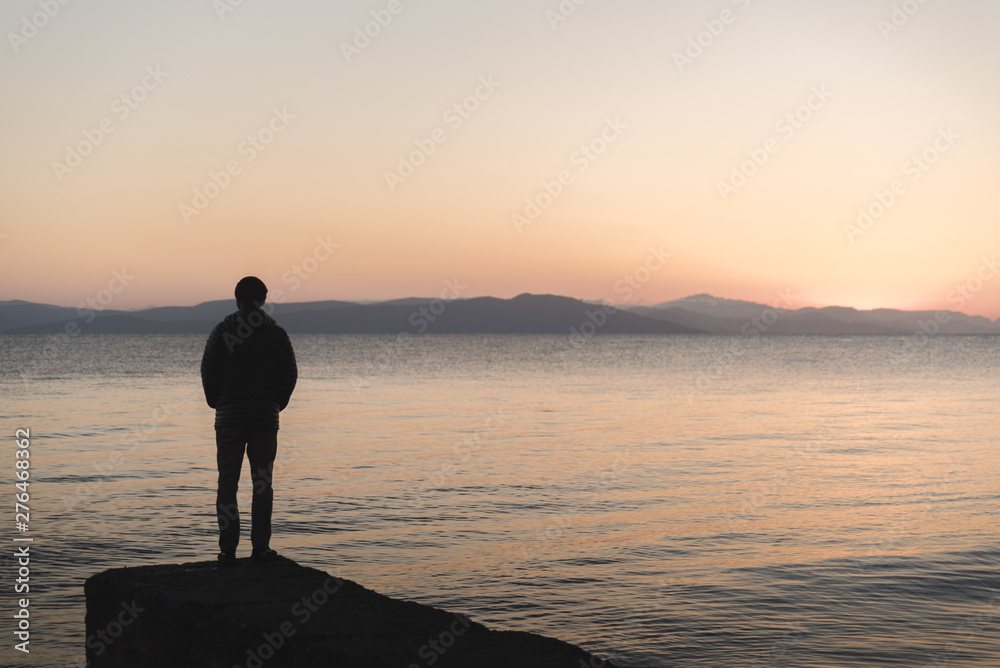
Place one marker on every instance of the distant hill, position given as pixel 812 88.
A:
pixel 17 313
pixel 730 316
pixel 716 307
pixel 524 314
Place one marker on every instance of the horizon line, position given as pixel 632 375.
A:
pixel 367 302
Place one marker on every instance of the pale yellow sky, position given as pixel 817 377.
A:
pixel 503 146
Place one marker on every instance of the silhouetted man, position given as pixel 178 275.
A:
pixel 248 372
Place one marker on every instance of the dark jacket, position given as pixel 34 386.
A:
pixel 248 370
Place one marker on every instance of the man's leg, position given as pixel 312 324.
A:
pixel 230 444
pixel 262 446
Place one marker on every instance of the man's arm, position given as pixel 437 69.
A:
pixel 288 372
pixel 212 362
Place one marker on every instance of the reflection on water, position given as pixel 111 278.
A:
pixel 663 501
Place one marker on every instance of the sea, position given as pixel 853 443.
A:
pixel 809 502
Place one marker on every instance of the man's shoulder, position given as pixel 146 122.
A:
pixel 218 329
pixel 278 331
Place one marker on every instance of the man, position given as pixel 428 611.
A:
pixel 248 373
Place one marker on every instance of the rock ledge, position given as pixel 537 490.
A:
pixel 281 614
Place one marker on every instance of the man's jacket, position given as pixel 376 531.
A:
pixel 248 370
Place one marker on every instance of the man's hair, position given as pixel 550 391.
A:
pixel 251 290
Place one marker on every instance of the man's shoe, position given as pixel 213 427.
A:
pixel 227 558
pixel 260 556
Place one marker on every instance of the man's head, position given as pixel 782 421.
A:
pixel 250 291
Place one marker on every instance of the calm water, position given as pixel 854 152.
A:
pixel 661 501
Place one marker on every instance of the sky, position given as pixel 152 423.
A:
pixel 845 152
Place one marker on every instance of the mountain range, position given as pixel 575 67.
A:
pixel 524 314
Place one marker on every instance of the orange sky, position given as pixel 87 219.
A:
pixel 505 146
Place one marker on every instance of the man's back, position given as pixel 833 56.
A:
pixel 248 370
